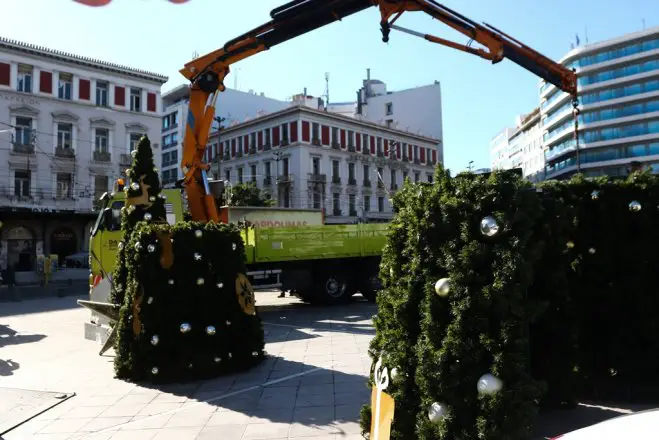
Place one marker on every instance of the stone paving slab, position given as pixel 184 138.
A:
pixel 312 385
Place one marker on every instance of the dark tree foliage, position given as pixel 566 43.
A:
pixel 143 202
pixel 192 320
pixel 559 304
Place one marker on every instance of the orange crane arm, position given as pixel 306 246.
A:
pixel 207 73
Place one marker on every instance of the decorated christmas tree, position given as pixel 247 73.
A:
pixel 143 202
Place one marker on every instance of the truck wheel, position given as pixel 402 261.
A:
pixel 369 287
pixel 331 288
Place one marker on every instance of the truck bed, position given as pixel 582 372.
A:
pixel 314 242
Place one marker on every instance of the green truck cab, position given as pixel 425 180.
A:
pixel 319 263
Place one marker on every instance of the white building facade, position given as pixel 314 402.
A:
pixel 520 147
pixel 67 127
pixel 232 105
pixel 306 158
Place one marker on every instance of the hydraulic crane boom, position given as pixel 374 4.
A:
pixel 298 17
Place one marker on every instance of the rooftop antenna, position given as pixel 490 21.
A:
pixel 326 94
pixel 195 55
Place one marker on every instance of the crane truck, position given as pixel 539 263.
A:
pixel 320 263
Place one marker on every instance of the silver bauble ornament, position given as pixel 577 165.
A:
pixel 634 206
pixel 152 199
pixel 228 323
pixel 149 300
pixel 133 153
pixel 154 340
pixel 595 195
pixel 229 355
pixel 170 282
pixel 130 209
pixel 138 246
pixel 592 251
pixel 120 245
pixel 489 384
pixel 570 244
pixel 134 186
pixel 190 365
pixel 150 248
pixel 162 196
pixel 255 353
pixel 394 373
pixel 233 246
pixel 198 233
pixel 185 327
pixel 489 226
pixel 217 359
pixel 442 287
pixel 154 370
pixel 220 285
pixel 128 172
pixel 197 256
pixel 436 412
pixel 200 281
pixel 148 216
pixel 210 330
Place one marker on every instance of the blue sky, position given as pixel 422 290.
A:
pixel 479 99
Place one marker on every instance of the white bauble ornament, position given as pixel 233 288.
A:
pixel 592 251
pixel 570 244
pixel 394 373
pixel 217 359
pixel 138 246
pixel 595 195
pixel 197 256
pixel 150 248
pixel 198 233
pixel 149 300
pixel 148 216
pixel 437 412
pixel 489 384
pixel 154 340
pixel 210 330
pixel 154 370
pixel 442 287
pixel 220 285
pixel 489 226
pixel 185 327
pixel 133 153
pixel 233 246
pixel 170 282
pixel 152 199
pixel 635 206
pixel 200 281
pixel 134 186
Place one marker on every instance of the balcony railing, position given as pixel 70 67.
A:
pixel 336 146
pixel 366 151
pixel 267 147
pixel 285 179
pixel 285 142
pixel 351 148
pixel 380 154
pixel 336 180
pixel 101 156
pixel 239 153
pixel 65 152
pixel 22 148
pixel 318 177
pixel 315 141
pixel 252 149
pixel 367 183
pixel 352 181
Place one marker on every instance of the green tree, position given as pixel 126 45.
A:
pixel 248 194
pixel 143 203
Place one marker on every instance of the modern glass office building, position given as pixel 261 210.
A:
pixel 618 84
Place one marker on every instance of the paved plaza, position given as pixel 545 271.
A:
pixel 311 386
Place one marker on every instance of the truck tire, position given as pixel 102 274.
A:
pixel 369 286
pixel 331 287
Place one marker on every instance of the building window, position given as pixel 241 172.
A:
pixel 284 132
pixel 268 170
pixel 287 198
pixel 365 146
pixel 240 145
pixel 389 108
pixel 285 165
pixel 240 175
pixel 170 121
pixel 390 123
pixel 316 199
pixel 24 78
pixel 336 177
pixel 22 183
pixel 252 142
pixel 351 173
pixel 315 131
pixel 101 140
pixel 316 165
pixel 336 204
pixel 102 88
pixel 64 185
pixel 65 87
pixel 393 179
pixel 417 176
pixel 379 146
pixel 380 204
pixel 404 176
pixel 100 186
pixel 267 136
pixel 367 203
pixel 429 178
pixel 23 131
pixel 133 140
pixel 227 175
pixel 351 205
pixel 350 141
pixel 135 100
pixel 367 180
pixel 253 172
pixel 335 135
pixel 64 135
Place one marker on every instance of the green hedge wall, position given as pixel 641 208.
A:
pixel 191 322
pixel 558 305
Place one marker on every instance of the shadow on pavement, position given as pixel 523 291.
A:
pixel 41 305
pixel 9 336
pixel 304 389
